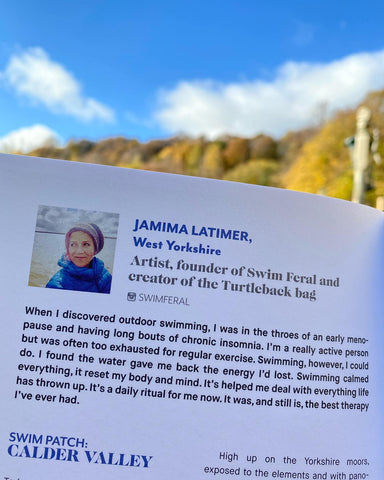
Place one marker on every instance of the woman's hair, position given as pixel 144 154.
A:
pixel 92 230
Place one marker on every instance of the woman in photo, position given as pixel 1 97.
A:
pixel 80 269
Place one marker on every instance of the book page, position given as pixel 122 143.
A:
pixel 157 326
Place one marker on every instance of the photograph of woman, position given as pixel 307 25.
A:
pixel 73 249
pixel 80 269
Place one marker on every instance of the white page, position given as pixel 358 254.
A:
pixel 214 411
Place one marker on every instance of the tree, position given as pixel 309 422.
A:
pixel 235 152
pixel 212 161
pixel 256 171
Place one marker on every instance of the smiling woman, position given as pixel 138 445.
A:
pixel 80 269
pixel 81 249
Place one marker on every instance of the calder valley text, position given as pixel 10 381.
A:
pixel 73 455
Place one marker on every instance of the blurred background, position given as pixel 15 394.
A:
pixel 249 91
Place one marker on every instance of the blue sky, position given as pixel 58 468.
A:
pixel 95 69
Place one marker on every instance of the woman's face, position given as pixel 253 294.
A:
pixel 81 249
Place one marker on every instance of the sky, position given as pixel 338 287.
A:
pixel 96 69
pixel 60 220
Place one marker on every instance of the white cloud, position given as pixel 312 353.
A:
pixel 34 75
pixel 288 102
pixel 26 139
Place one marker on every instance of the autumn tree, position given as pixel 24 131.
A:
pixel 212 162
pixel 256 171
pixel 236 151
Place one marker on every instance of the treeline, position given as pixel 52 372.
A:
pixel 255 160
pixel 312 160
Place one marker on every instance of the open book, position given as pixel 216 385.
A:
pixel 163 327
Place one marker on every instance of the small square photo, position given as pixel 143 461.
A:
pixel 73 249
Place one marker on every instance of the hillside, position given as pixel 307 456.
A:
pixel 314 160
